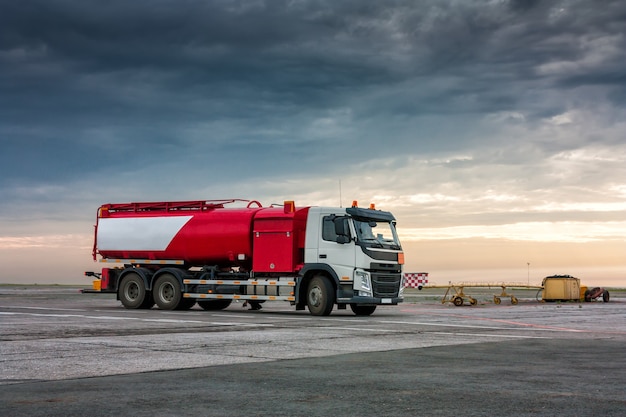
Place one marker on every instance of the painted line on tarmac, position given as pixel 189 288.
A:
pixel 530 326
pixel 473 326
pixel 349 320
pixel 43 308
pixel 261 316
pixel 505 336
pixel 134 319
pixel 360 329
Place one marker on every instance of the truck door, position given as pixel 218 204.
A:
pixel 340 256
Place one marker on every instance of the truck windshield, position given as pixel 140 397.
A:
pixel 376 234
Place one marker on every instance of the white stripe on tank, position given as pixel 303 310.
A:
pixel 138 233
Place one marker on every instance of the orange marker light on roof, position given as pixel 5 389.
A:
pixel 289 206
pixel 355 203
pixel 372 206
pixel 103 212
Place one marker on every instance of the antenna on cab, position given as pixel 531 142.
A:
pixel 340 206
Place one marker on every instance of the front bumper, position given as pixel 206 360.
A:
pixel 370 300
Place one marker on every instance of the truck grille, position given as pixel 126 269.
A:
pixel 386 285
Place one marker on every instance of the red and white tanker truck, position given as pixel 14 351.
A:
pixel 177 254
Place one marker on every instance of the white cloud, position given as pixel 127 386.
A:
pixel 561 119
pixel 47 241
pixel 529 231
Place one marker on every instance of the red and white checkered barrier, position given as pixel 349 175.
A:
pixel 415 279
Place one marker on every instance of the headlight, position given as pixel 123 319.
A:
pixel 362 281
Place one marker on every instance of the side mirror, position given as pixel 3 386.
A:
pixel 343 235
pixel 343 239
pixel 340 228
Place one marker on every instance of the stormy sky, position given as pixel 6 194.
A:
pixel 495 131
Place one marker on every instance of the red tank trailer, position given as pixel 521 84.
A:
pixel 202 233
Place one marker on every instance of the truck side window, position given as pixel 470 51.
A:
pixel 328 228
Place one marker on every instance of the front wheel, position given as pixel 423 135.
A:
pixel 320 296
pixel 362 310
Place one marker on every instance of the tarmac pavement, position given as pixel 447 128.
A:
pixel 65 354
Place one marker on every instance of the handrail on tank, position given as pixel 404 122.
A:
pixel 197 205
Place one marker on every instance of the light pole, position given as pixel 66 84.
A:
pixel 528 263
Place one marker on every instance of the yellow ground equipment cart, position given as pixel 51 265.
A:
pixel 568 288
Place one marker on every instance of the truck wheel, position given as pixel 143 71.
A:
pixel 132 292
pixel 320 297
pixel 362 310
pixel 166 292
pixel 210 305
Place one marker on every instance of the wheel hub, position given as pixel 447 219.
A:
pixel 167 292
pixel 132 291
pixel 315 296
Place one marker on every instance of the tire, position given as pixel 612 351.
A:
pixel 320 296
pixel 211 305
pixel 167 293
pixel 360 310
pixel 587 295
pixel 132 292
pixel 605 296
pixel 514 301
pixel 458 301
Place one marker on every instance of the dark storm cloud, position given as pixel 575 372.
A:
pixel 109 87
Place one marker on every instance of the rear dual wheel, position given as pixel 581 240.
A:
pixel 168 294
pixel 132 292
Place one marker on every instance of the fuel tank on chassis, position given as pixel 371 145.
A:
pixel 214 237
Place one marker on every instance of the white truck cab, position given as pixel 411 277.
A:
pixel 359 248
